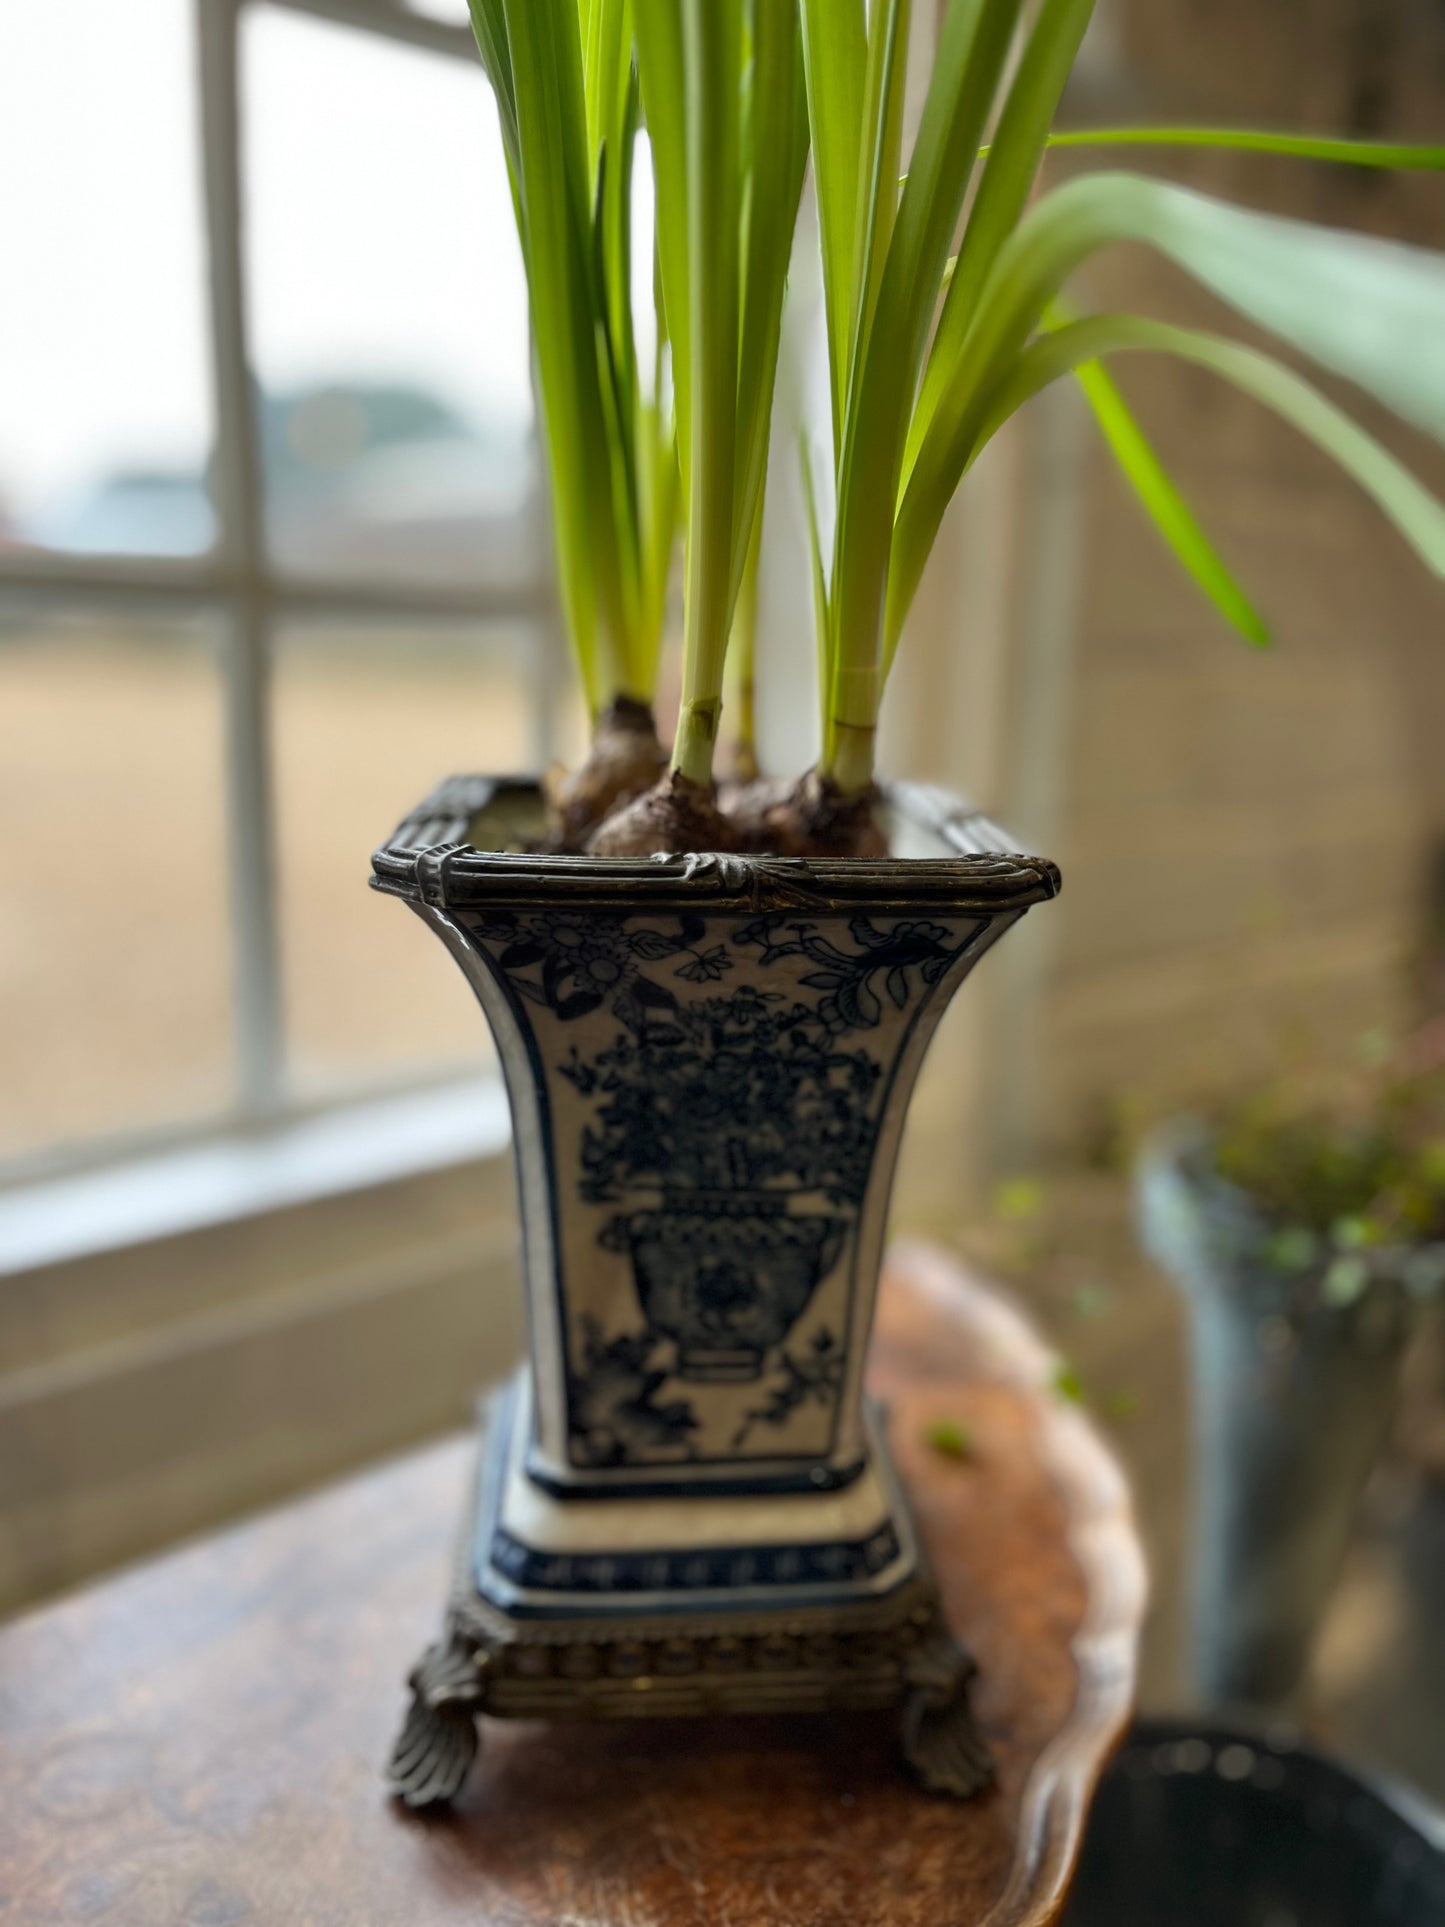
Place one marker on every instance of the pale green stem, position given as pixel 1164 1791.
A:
pixel 740 669
pixel 692 748
pixel 712 43
pixel 852 730
pixel 745 739
pixel 849 761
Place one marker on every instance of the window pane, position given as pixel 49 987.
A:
pixel 105 409
pixel 388 306
pixel 454 13
pixel 114 959
pixel 367 721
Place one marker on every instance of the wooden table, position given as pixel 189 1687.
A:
pixel 199 1743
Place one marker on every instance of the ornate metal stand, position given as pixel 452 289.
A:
pixel 862 1654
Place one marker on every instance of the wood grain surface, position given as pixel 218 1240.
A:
pixel 199 1743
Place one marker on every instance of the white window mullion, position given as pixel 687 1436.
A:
pixel 392 21
pixel 236 483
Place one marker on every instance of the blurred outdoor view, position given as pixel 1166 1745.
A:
pixel 387 325
pixel 385 296
pixel 211 713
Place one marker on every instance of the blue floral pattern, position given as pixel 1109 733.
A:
pixel 729 1131
pixel 849 977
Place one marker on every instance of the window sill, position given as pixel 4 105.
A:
pixel 143 1199
pixel 193 1333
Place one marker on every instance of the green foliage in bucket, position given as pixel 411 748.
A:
pixel 1319 1183
pixel 1349 1170
pixel 945 275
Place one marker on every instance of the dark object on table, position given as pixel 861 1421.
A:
pixel 1211 1826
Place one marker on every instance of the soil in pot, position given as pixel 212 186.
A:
pixel 622 801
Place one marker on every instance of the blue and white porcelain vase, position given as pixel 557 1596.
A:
pixel 709 1061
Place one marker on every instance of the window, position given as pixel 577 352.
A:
pixel 271 556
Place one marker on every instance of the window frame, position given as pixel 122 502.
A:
pixel 239 589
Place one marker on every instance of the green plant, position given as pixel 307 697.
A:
pixel 1347 1166
pixel 943 280
pixel 568 103
pixel 723 91
pixel 931 351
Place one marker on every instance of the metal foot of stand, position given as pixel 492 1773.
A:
pixel 864 1654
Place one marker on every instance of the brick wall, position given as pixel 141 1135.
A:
pixel 1246 838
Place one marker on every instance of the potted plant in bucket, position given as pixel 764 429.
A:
pixel 710 1009
pixel 1306 1227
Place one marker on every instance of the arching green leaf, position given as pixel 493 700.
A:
pixel 1395 155
pixel 1008 179
pixel 1163 503
pixel 1371 310
pixel 1416 513
pixel 972 46
pixel 835 56
pixel 658 26
pixel 776 157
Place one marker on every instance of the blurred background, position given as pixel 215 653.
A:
pixel 273 559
